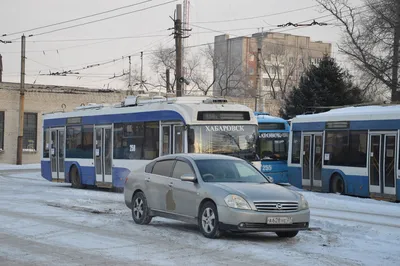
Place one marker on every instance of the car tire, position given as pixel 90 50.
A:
pixel 208 220
pixel 76 181
pixel 140 209
pixel 287 234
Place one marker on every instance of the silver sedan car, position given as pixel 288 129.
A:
pixel 218 193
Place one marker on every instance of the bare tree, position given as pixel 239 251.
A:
pixel 161 60
pixel 371 38
pixel 282 65
pixel 202 82
pixel 230 78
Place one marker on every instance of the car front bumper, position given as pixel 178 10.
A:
pixel 254 221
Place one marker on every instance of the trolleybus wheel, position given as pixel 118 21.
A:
pixel 75 178
pixel 337 184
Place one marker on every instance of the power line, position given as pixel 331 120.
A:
pixel 256 17
pixel 100 38
pixel 105 62
pixel 76 19
pixel 98 20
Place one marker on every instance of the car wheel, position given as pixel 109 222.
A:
pixel 287 234
pixel 208 220
pixel 140 209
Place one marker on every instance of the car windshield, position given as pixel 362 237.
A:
pixel 229 171
pixel 273 146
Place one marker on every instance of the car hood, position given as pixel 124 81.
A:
pixel 259 192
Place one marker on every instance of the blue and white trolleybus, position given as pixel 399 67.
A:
pixel 352 150
pixel 99 145
pixel 272 146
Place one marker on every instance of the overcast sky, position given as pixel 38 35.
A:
pixel 56 52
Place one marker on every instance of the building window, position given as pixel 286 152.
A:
pixel 267 82
pixel 296 147
pixel 1 131
pixel 346 148
pixel 251 58
pixel 30 132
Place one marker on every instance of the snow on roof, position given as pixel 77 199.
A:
pixel 372 112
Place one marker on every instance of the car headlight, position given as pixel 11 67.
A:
pixel 237 202
pixel 303 204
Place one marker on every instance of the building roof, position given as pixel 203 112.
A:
pixel 54 88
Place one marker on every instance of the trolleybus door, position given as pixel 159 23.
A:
pixel 57 151
pixel 382 163
pixel 179 139
pixel 173 138
pixel 103 154
pixel 166 143
pixel 312 160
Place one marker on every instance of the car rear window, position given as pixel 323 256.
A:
pixel 163 168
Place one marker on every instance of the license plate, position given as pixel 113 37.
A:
pixel 279 220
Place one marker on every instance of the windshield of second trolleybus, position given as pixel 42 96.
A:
pixel 234 140
pixel 273 146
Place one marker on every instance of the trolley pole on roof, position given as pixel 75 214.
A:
pixel 21 104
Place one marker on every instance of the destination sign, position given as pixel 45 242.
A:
pixel 273 135
pixel 225 128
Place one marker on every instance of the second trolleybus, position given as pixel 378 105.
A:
pixel 352 150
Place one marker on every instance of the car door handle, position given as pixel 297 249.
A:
pixel 170 184
pixel 147 179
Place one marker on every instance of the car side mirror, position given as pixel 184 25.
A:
pixel 189 178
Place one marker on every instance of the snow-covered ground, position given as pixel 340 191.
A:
pixel 44 223
pixel 5 167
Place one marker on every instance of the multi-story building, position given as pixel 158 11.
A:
pixel 283 59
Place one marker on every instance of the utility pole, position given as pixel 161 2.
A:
pixel 396 61
pixel 130 76
pixel 167 78
pixel 1 68
pixel 178 46
pixel 259 72
pixel 258 96
pixel 21 103
pixel 141 71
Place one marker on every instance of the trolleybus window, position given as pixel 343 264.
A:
pixel 136 140
pixel 79 142
pixel 346 148
pixel 273 146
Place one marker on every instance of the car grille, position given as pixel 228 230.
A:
pixel 264 206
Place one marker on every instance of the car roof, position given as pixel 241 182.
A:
pixel 198 156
